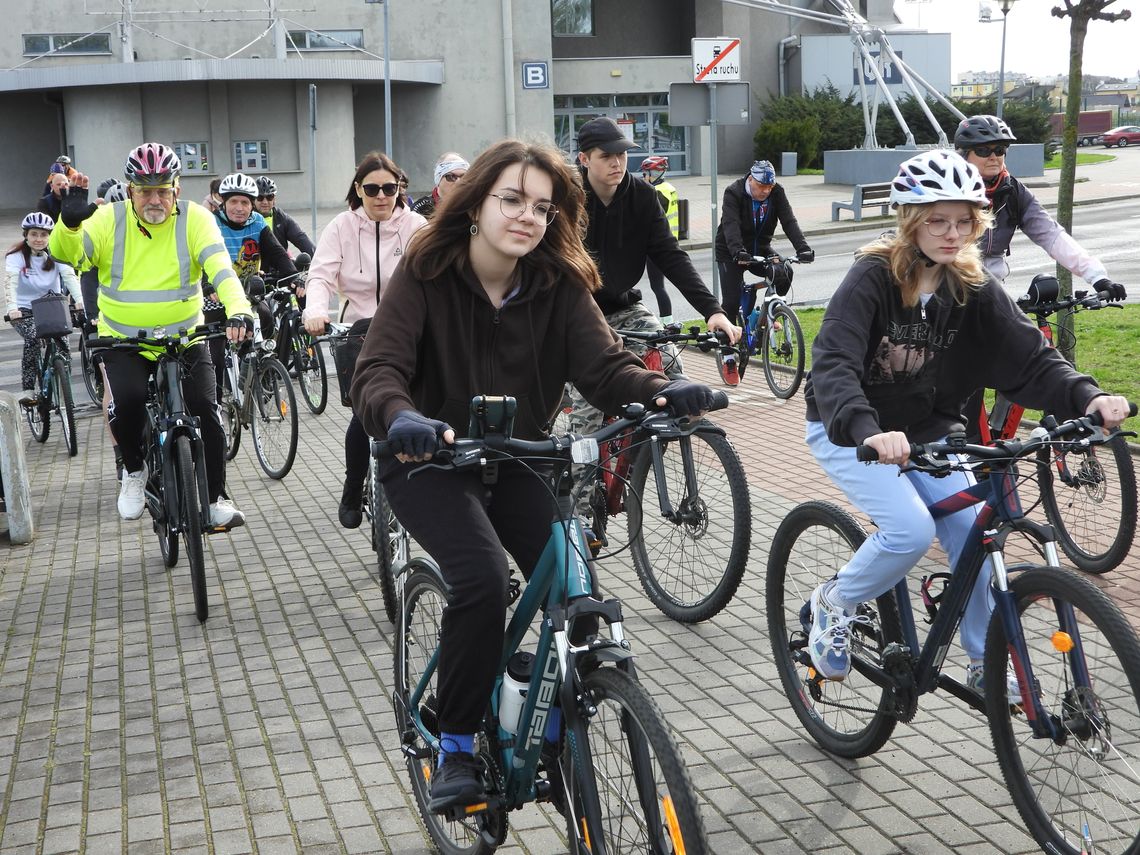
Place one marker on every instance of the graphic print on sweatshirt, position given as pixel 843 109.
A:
pixel 908 349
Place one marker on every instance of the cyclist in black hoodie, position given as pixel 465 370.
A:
pixel 626 228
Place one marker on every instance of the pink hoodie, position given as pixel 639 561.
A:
pixel 352 253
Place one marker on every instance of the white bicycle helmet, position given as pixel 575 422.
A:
pixel 37 220
pixel 117 192
pixel 238 184
pixel 938 176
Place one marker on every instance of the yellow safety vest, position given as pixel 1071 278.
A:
pixel 150 276
pixel 669 192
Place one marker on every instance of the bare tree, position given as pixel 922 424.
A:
pixel 1079 13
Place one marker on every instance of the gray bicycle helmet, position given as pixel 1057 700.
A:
pixel 938 176
pixel 980 130
pixel 37 220
pixel 266 186
pixel 117 192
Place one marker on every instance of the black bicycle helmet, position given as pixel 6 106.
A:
pixel 979 130
pixel 1043 288
pixel 782 277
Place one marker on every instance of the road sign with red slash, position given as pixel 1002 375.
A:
pixel 716 60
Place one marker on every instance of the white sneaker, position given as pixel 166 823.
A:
pixel 223 514
pixel 975 679
pixel 132 494
pixel 830 634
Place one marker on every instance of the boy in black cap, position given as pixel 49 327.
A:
pixel 626 228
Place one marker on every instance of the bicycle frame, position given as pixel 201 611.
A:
pixel 762 308
pixel 168 419
pixel 1001 514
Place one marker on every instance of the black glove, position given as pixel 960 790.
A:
pixel 240 321
pixel 686 398
pixel 414 434
pixel 1115 291
pixel 74 207
pixel 744 257
pixel 806 256
pixel 80 318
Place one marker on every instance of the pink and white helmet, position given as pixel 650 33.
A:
pixel 152 163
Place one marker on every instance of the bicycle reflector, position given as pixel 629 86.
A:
pixel 1062 642
pixel 584 451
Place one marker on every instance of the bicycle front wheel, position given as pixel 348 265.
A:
pixel 390 541
pixel 782 353
pixel 852 717
pixel 273 419
pixel 309 363
pixel 190 521
pixel 1089 496
pixel 690 563
pixel 1081 790
pixel 65 405
pixel 421 617
pixel 646 797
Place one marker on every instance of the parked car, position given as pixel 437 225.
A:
pixel 1122 136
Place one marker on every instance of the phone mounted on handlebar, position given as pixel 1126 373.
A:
pixel 492 414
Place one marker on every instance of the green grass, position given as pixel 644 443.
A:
pixel 1082 158
pixel 1106 349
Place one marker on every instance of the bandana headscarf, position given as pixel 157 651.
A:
pixel 441 169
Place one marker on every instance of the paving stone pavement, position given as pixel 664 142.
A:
pixel 125 726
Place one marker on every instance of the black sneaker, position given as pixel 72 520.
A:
pixel 457 783
pixel 351 512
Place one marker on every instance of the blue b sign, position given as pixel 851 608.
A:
pixel 887 68
pixel 535 75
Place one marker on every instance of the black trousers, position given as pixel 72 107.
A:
pixel 127 375
pixel 466 525
pixel 657 283
pixel 731 278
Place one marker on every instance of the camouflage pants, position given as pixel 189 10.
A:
pixel 584 417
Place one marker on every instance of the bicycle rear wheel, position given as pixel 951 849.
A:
pixel 190 521
pixel 421 615
pixel 849 718
pixel 309 363
pixel 1087 782
pixel 65 406
pixel 1089 496
pixel 647 799
pixel 782 352
pixel 390 541
pixel 231 416
pixel 691 563
pixel 273 419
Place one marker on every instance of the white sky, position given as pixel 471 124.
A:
pixel 1036 42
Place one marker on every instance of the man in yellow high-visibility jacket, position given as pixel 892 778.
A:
pixel 151 251
pixel 653 170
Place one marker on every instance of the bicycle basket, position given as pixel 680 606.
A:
pixel 51 316
pixel 345 351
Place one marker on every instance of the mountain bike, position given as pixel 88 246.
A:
pixel 54 394
pixel 257 394
pixel 685 497
pixel 1088 493
pixel 1068 744
pixel 768 325
pixel 177 496
pixel 616 774
pixel 296 349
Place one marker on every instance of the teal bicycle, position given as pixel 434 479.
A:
pixel 617 775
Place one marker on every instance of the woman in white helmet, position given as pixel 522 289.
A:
pixel 914 327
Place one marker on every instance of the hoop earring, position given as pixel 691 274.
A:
pixel 474 229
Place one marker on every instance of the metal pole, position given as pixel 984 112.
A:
pixel 1001 68
pixel 313 154
pixel 388 86
pixel 713 168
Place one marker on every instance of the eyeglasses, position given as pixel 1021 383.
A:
pixel 268 198
pixel 938 226
pixel 451 177
pixel 513 207
pixel 987 150
pixel 163 193
pixel 374 190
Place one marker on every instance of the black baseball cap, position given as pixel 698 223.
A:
pixel 604 133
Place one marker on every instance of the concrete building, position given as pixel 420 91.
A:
pixel 230 89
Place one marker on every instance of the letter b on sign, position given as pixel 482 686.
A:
pixel 535 75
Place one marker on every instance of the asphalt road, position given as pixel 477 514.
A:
pixel 1106 230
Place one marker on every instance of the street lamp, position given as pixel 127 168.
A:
pixel 984 17
pixel 388 81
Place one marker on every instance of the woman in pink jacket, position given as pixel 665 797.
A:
pixel 355 257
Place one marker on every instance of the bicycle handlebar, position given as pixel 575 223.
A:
pixel 1080 299
pixel 578 448
pixel 672 334
pixel 1009 449
pixel 135 343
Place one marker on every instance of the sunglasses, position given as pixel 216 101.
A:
pixel 268 198
pixel 987 150
pixel 374 190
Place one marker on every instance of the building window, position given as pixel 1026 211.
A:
pixel 251 155
pixel 67 43
pixel 572 17
pixel 647 124
pixel 195 156
pixel 300 40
